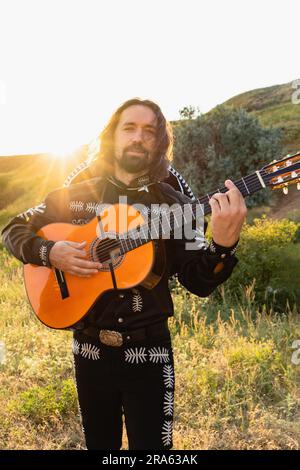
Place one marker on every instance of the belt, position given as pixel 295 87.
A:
pixel 118 338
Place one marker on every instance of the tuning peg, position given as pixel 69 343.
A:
pixel 285 190
pixel 298 186
pixel 294 174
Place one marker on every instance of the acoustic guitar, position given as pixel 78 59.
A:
pixel 60 300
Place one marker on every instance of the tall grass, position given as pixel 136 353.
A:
pixel 236 386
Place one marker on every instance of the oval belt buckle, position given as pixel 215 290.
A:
pixel 111 338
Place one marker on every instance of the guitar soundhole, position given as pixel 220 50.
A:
pixel 106 249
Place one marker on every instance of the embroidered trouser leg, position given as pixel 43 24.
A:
pixel 138 380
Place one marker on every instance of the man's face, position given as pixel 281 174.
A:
pixel 135 139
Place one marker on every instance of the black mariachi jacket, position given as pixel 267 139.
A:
pixel 131 308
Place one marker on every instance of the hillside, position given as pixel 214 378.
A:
pixel 273 107
pixel 26 179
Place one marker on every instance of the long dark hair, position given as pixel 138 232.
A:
pixel 103 164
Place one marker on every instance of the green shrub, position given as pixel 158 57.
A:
pixel 224 143
pixel 268 253
pixel 44 403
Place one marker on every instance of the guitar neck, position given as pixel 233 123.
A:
pixel 247 185
pixel 160 226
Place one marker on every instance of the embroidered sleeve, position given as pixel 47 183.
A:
pixel 205 266
pixel 19 235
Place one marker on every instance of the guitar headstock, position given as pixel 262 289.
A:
pixel 279 174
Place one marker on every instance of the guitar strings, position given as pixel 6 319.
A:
pixel 252 183
pixel 105 245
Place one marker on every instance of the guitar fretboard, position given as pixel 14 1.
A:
pixel 161 226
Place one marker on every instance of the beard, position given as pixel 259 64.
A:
pixel 134 163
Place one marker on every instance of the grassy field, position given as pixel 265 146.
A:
pixel 236 384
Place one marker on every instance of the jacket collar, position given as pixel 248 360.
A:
pixel 140 183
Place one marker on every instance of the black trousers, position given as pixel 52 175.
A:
pixel 137 380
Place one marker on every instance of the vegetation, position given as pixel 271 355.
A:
pixel 273 106
pixel 236 385
pixel 225 143
pixel 269 257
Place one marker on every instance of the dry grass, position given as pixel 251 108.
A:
pixel 236 387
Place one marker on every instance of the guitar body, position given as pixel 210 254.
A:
pixel 129 269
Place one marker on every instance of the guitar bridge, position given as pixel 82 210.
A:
pixel 61 281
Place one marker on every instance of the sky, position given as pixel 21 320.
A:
pixel 66 65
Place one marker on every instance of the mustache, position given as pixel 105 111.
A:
pixel 135 149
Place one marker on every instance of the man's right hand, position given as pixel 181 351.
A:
pixel 71 257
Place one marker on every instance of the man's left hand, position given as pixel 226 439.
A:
pixel 228 215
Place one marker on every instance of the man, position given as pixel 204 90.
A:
pixel 135 375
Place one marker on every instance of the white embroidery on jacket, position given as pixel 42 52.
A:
pixel 159 354
pixel 43 254
pixel 76 172
pixel 212 248
pixel 155 210
pixel 167 433
pixel 135 355
pixel 137 301
pixel 169 402
pixel 144 211
pixel 180 180
pixel 233 250
pixel 80 221
pixel 76 347
pixel 92 207
pixel 168 375
pixel 89 351
pixel 76 206
pixel 200 238
pixel 40 209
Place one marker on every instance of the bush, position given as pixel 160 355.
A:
pixel 43 403
pixel 225 143
pixel 268 254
